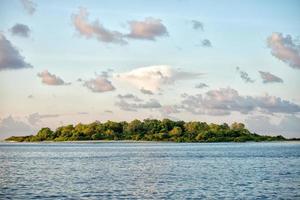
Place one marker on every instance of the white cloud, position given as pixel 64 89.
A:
pixel 99 84
pixel 153 77
pixel 267 77
pixel 285 49
pixel 51 79
pixel 10 57
pixel 148 29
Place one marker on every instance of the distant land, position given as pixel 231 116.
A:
pixel 149 130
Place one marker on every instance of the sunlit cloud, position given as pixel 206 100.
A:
pixel 51 79
pixel 152 78
pixel 285 49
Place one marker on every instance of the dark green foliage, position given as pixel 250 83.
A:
pixel 149 130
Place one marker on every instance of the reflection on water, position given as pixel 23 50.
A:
pixel 150 170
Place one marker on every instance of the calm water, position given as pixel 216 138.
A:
pixel 150 171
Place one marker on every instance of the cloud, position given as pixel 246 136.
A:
pixel 82 113
pixel 206 43
pixel 21 30
pixel 149 29
pixel 144 91
pixel 153 77
pixel 10 126
pixel 244 75
pixel 95 29
pixel 10 57
pixel 226 100
pixel 51 79
pixel 197 25
pixel 267 77
pixel 129 97
pixel 99 84
pixel 127 106
pixel 108 111
pixel 201 85
pixel 35 118
pixel 285 49
pixel 289 125
pixel 29 6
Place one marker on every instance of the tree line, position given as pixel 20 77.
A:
pixel 149 130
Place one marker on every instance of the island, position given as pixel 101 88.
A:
pixel 149 130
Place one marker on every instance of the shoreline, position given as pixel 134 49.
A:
pixel 141 141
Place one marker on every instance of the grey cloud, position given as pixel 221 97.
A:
pixel 21 30
pixel 285 49
pixel 29 6
pixel 10 57
pixel 227 100
pixel 151 104
pixel 130 97
pixel 149 29
pixel 197 25
pixel 267 77
pixel 51 79
pixel 289 125
pixel 144 91
pixel 35 118
pixel 99 84
pixel 95 29
pixel 201 85
pixel 108 111
pixel 206 43
pixel 10 126
pixel 244 75
pixel 82 113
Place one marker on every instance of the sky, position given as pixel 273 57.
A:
pixel 65 62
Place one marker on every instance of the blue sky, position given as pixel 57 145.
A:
pixel 163 49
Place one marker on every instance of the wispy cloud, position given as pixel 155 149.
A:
pixel 244 75
pixel 29 6
pixel 132 106
pixel 95 29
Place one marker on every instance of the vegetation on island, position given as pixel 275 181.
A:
pixel 149 130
